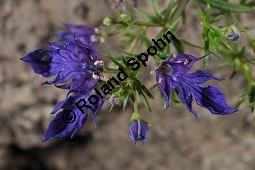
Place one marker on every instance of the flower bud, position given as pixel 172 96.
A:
pixel 233 33
pixel 114 101
pixel 138 131
pixel 124 18
pixel 107 21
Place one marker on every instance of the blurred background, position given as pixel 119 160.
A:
pixel 176 141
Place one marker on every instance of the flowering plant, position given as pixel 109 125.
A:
pixel 78 67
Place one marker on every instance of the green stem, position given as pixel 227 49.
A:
pixel 135 104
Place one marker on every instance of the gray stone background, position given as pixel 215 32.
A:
pixel 177 141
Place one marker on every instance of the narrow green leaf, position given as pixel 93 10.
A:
pixel 125 101
pixel 146 91
pixel 178 45
pixel 156 7
pixel 144 14
pixel 145 39
pixel 117 62
pixel 228 6
pixel 174 97
pixel 145 101
pixel 142 88
pixel 175 24
pixel 178 11
pixel 246 72
pixel 252 98
pixel 111 70
pixel 240 100
pixel 168 10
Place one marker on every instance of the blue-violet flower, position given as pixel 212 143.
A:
pixel 69 119
pixel 138 131
pixel 174 74
pixel 76 66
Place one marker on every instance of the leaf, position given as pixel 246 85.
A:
pixel 125 101
pixel 147 92
pixel 174 97
pixel 142 88
pixel 143 98
pixel 252 98
pixel 178 44
pixel 167 11
pixel 179 10
pixel 240 100
pixel 145 39
pixel 145 15
pixel 111 70
pixel 217 19
pixel 246 71
pixel 228 6
pixel 156 7
pixel 117 62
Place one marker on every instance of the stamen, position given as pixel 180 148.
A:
pixel 186 61
pixel 99 63
pixel 96 30
pixel 94 38
pixel 94 76
pixel 160 80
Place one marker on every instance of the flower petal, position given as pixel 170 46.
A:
pixel 201 76
pixel 69 119
pixel 189 85
pixel 138 131
pixel 213 99
pixel 182 62
pixel 95 111
pixel 40 62
pixel 166 86
pixel 186 98
pixel 60 127
pixel 81 32
pixel 71 62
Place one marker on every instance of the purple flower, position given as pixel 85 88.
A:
pixel 72 62
pixel 81 32
pixel 174 74
pixel 76 66
pixel 138 131
pixel 70 119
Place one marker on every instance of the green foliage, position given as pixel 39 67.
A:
pixel 218 18
pixel 227 6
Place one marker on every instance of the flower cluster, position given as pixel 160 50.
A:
pixel 76 66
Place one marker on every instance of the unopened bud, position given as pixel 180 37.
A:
pixel 233 33
pixel 114 101
pixel 107 21
pixel 124 18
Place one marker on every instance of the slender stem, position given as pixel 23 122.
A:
pixel 135 104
